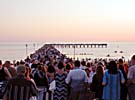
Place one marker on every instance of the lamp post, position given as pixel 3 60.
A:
pixel 74 51
pixel 26 50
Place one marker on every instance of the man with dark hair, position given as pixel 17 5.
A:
pixel 83 65
pixel 4 73
pixel 19 87
pixel 12 70
pixel 77 79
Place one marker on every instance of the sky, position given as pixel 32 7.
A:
pixel 67 20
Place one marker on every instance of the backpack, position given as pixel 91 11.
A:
pixel 40 78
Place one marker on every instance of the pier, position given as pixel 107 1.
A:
pixel 78 45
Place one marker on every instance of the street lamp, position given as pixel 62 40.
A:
pixel 74 51
pixel 26 50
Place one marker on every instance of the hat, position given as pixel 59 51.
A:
pixel 21 69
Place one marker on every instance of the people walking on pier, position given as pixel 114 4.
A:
pixel 48 64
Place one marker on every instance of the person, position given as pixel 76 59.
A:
pixel 50 75
pixel 4 77
pixel 4 73
pixel 61 91
pixel 19 87
pixel 87 70
pixel 111 81
pixel 77 78
pixel 83 65
pixel 41 81
pixel 131 79
pixel 124 89
pixel 68 68
pixel 12 70
pixel 96 85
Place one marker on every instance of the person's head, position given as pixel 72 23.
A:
pixel 120 61
pixel 133 60
pixel 7 64
pixel 88 65
pixel 112 67
pixel 77 63
pixel 100 64
pixel 0 62
pixel 22 62
pixel 17 63
pixel 51 69
pixel 83 63
pixel 39 66
pixel 60 65
pixel 99 73
pixel 21 69
pixel 68 67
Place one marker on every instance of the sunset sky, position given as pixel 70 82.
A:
pixel 67 20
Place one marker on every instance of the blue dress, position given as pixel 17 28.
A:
pixel 112 89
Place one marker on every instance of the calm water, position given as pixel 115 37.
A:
pixel 128 49
pixel 17 51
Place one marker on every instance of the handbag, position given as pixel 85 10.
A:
pixel 33 98
pixel 52 86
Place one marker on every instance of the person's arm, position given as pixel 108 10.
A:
pixel 33 89
pixel 130 76
pixel 86 77
pixel 4 97
pixel 122 78
pixel 104 79
pixel 68 79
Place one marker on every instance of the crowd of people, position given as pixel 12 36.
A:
pixel 30 79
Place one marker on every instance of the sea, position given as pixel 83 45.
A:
pixel 20 50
